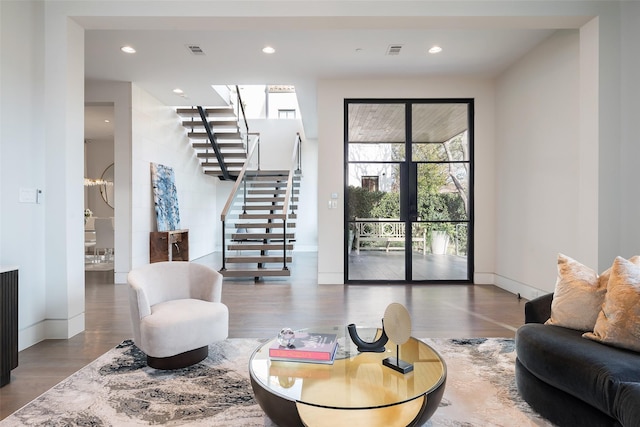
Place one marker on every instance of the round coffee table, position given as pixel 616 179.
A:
pixel 355 390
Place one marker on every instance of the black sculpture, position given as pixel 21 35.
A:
pixel 376 346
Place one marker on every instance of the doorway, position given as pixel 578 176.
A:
pixel 408 190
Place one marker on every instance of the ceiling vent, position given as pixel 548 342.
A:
pixel 195 49
pixel 394 49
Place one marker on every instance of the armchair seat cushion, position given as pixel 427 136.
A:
pixel 176 326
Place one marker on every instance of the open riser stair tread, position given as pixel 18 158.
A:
pixel 223 145
pixel 259 247
pixel 274 214
pixel 222 124
pixel 272 185
pixel 266 207
pixel 266 216
pixel 257 259
pixel 273 191
pixel 210 112
pixel 219 135
pixel 261 236
pixel 256 272
pixel 212 155
pixel 269 199
pixel 265 225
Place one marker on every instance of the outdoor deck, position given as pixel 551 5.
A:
pixel 381 265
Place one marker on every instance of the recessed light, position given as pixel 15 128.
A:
pixel 107 121
pixel 268 49
pixel 128 49
pixel 435 49
pixel 178 91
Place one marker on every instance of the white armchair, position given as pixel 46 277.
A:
pixel 176 312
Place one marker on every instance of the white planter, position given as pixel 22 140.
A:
pixel 439 242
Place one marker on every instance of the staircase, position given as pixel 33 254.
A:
pixel 231 145
pixel 258 221
pixel 259 229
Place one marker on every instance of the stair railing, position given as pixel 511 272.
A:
pixel 238 193
pixel 296 167
pixel 242 117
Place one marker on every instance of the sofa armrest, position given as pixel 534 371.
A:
pixel 538 310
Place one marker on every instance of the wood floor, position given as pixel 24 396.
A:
pixel 261 309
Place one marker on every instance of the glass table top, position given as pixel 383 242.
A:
pixel 354 380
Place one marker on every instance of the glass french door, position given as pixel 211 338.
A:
pixel 408 190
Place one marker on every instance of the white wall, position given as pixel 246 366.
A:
pixel 277 139
pixel 22 161
pixel 538 164
pixel 158 137
pixel 630 151
pixel 331 95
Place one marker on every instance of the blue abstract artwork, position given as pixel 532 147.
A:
pixel 165 197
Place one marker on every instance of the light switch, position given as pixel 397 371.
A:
pixel 28 195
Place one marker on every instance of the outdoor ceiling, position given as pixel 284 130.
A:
pixel 308 49
pixel 431 122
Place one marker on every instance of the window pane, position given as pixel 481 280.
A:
pixel 438 122
pixel 376 152
pixel 443 191
pixel 388 175
pixel 376 123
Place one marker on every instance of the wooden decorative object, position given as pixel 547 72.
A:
pixel 169 246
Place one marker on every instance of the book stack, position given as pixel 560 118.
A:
pixel 309 347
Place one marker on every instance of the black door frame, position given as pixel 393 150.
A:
pixel 408 172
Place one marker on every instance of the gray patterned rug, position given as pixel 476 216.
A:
pixel 118 389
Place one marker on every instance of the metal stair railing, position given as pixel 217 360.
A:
pixel 296 167
pixel 238 197
pixel 238 193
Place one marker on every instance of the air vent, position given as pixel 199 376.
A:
pixel 195 49
pixel 394 49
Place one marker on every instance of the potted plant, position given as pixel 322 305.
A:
pixel 439 240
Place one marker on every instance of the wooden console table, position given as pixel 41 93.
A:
pixel 8 323
pixel 169 246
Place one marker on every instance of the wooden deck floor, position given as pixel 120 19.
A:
pixel 377 265
pixel 261 309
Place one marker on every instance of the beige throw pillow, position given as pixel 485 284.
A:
pixel 618 323
pixel 578 295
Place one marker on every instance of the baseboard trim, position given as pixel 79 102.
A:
pixel 50 329
pixel 518 288
pixel 331 278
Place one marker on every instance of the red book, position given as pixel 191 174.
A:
pixel 307 347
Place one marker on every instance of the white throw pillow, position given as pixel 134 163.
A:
pixel 618 322
pixel 578 295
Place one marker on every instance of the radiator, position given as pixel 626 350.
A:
pixel 8 324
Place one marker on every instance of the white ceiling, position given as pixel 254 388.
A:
pixel 307 49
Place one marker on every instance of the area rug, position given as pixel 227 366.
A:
pixel 118 389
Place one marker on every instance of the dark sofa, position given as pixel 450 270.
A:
pixel 571 380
